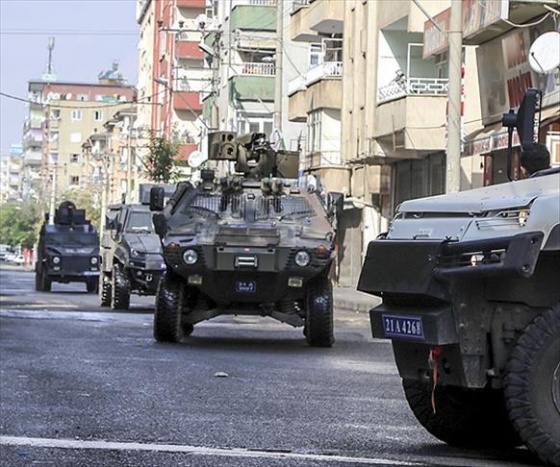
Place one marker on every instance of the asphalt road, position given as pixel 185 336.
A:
pixel 81 385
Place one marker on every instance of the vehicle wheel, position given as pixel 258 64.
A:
pixel 533 386
pixel 45 281
pixel 464 417
pixel 105 290
pixel 91 285
pixel 120 289
pixel 38 281
pixel 167 315
pixel 318 328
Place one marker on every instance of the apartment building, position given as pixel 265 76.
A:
pixel 69 113
pixel 114 170
pixel 10 173
pixel 252 61
pixel 504 71
pixel 172 73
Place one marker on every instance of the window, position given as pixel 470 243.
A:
pixel 314 131
pixel 76 114
pixel 315 55
pixel 98 115
pixel 83 97
pixel 55 114
pixel 74 158
pixel 74 180
pixel 53 158
pixel 54 137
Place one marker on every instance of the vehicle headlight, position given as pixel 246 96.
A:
pixel 190 257
pixel 302 258
pixel 94 260
pixel 56 259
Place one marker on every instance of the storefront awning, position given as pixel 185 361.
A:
pixel 495 137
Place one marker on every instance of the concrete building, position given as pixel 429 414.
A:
pixel 172 76
pixel 242 44
pixel 10 173
pixel 67 113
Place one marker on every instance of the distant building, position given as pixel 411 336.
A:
pixel 61 116
pixel 10 173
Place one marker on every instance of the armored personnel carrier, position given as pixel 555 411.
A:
pixel 470 288
pixel 132 257
pixel 68 250
pixel 250 243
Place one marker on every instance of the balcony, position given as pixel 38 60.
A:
pixel 188 50
pixel 253 15
pixel 323 71
pixel 412 87
pixel 251 88
pixel 320 17
pixel 186 100
pixel 198 4
pixel 32 158
pixel 254 69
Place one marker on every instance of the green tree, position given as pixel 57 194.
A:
pixel 20 222
pixel 160 163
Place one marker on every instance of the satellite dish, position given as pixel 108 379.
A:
pixel 544 54
pixel 196 159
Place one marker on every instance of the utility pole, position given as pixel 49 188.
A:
pixel 278 68
pixel 453 174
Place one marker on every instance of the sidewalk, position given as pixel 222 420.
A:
pixel 348 298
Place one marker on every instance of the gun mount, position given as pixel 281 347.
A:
pixel 253 155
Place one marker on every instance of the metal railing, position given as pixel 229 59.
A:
pixel 412 87
pixel 255 69
pixel 323 70
pixel 254 2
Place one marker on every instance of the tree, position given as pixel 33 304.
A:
pixel 160 163
pixel 20 222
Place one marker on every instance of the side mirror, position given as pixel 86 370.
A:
pixel 335 203
pixel 157 198
pixel 160 224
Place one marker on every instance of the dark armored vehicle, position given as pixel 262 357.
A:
pixel 470 284
pixel 68 250
pixel 131 253
pixel 253 243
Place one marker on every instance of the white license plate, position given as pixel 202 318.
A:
pixel 408 327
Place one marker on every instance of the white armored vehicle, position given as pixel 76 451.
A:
pixel 470 284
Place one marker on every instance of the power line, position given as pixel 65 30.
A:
pixel 35 32
pixel 84 106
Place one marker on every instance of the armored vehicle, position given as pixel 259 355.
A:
pixel 131 253
pixel 470 288
pixel 68 250
pixel 251 243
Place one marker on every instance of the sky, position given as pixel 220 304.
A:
pixel 89 36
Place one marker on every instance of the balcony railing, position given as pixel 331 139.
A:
pixel 255 69
pixel 297 4
pixel 254 2
pixel 318 159
pixel 323 70
pixel 412 87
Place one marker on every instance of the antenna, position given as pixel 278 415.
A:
pixel 49 74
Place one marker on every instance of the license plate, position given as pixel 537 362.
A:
pixel 408 327
pixel 246 286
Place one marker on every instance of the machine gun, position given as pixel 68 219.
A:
pixel 253 155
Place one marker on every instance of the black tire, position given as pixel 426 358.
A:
pixel 91 285
pixel 533 386
pixel 38 281
pixel 105 290
pixel 464 417
pixel 120 289
pixel 168 311
pixel 45 281
pixel 318 329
